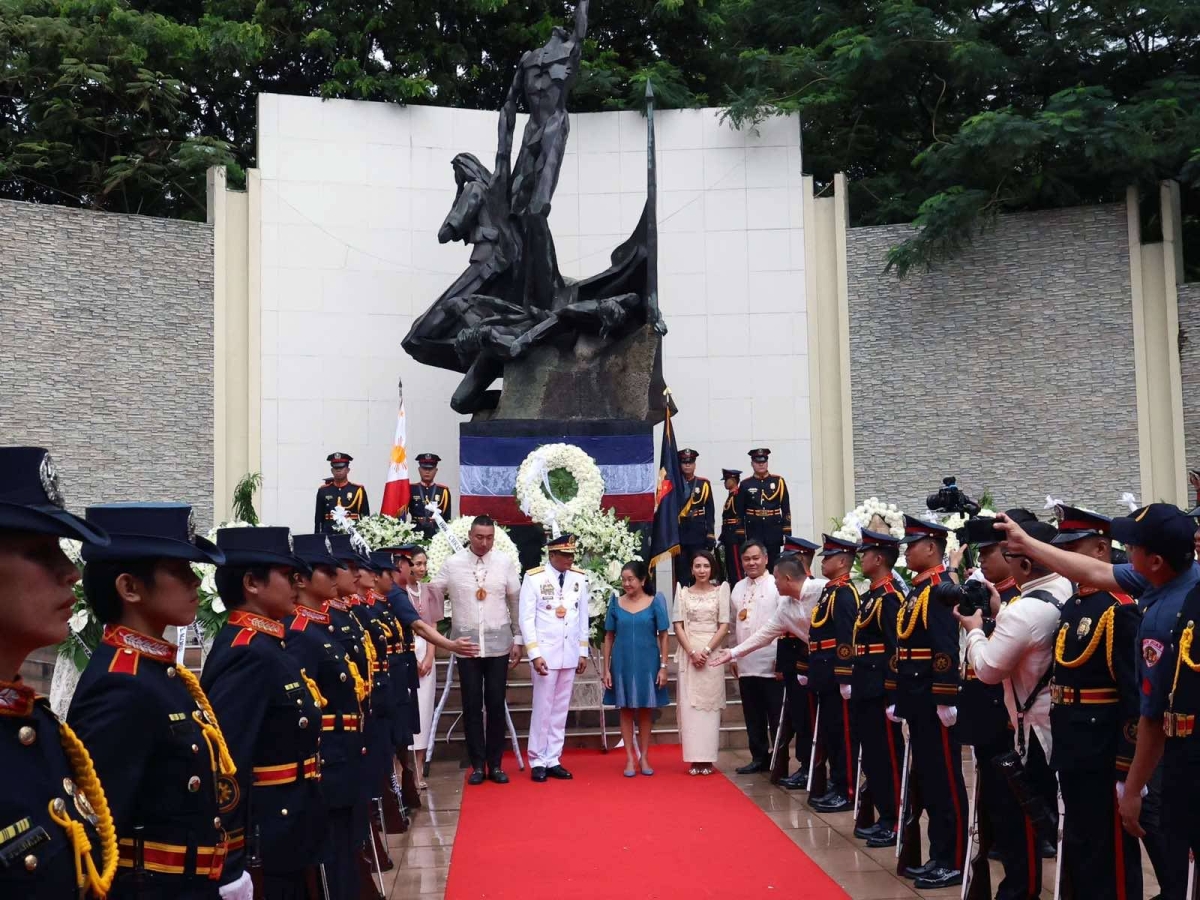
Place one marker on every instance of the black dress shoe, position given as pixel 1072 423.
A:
pixel 822 798
pixel 755 765
pixel 797 782
pixel 885 837
pixel 837 803
pixel 560 773
pixel 865 834
pixel 498 776
pixel 920 871
pixel 1047 850
pixel 538 774
pixel 938 878
pixel 476 777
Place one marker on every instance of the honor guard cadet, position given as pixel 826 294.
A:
pixel 273 710
pixel 155 740
pixel 57 837
pixel 312 640
pixel 791 662
pixel 696 519
pixel 873 685
pixel 427 492
pixel 927 660
pixel 554 623
pixel 338 490
pixel 764 506
pixel 830 671
pixel 1093 720
pixel 731 527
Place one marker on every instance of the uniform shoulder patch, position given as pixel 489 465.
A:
pixel 578 571
pixel 244 637
pixel 125 662
pixel 299 623
pixel 536 571
pixel 1123 599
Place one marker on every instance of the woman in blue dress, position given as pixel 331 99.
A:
pixel 635 660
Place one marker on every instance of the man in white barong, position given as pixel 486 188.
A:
pixel 554 623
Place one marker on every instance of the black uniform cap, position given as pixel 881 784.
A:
pixel 1076 524
pixel 30 498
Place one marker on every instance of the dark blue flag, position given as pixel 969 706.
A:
pixel 669 497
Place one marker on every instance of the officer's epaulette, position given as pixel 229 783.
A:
pixel 125 662
pixel 326 482
pixel 578 571
pixel 536 571
pixel 299 623
pixel 244 637
pixel 1123 599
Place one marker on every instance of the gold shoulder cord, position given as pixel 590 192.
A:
pixel 828 610
pixel 86 876
pixel 1184 656
pixel 1103 630
pixel 313 689
pixel 218 750
pixel 360 687
pixel 920 611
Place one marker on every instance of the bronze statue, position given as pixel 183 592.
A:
pixel 512 298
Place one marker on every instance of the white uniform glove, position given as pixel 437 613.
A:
pixel 891 714
pixel 242 889
pixel 844 690
pixel 948 715
pixel 803 679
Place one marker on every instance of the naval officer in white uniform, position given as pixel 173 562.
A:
pixel 554 622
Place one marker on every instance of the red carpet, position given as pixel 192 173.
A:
pixel 602 835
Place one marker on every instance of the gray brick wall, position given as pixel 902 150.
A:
pixel 1189 359
pixel 1024 345
pixel 106 351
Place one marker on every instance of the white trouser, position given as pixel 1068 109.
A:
pixel 548 725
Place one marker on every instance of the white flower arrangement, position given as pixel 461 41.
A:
pixel 440 549
pixel 864 516
pixel 533 486
pixel 211 613
pixel 604 543
pixel 381 531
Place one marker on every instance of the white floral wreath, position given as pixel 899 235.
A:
pixel 851 527
pixel 533 485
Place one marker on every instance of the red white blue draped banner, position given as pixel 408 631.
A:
pixel 488 464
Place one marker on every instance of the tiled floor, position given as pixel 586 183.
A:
pixel 423 854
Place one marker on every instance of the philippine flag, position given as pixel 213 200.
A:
pixel 398 490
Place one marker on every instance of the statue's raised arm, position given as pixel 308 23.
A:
pixel 581 19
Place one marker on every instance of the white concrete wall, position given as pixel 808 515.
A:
pixel 352 196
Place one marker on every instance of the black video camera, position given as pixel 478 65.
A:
pixel 974 597
pixel 950 499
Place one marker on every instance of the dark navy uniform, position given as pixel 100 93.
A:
pixel 1181 755
pixel 257 687
pixel 764 509
pixel 872 688
pixel 422 496
pixel 927 676
pixel 311 640
pixel 696 520
pixel 36 856
pixel 352 497
pixel 830 660
pixel 1093 723
pixel 143 729
pixel 732 532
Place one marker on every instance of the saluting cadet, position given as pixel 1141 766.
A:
pixel 1093 720
pixel 830 672
pixel 426 492
pixel 154 738
pixel 57 836
pixel 874 684
pixel 983 724
pixel 764 506
pixel 791 662
pixel 926 689
pixel 731 527
pixel 313 641
pixel 273 712
pixel 696 519
pixel 554 623
pixel 338 491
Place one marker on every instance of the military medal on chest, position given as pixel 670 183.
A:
pixel 480 579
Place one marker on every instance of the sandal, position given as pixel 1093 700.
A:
pixel 706 770
pixel 694 770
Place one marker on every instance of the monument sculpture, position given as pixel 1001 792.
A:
pixel 567 349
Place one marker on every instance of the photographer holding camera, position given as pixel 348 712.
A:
pixel 1019 654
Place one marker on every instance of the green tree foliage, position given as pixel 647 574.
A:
pixel 941 112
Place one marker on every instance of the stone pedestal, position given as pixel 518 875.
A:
pixel 586 380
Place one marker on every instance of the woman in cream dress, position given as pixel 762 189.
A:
pixel 430 608
pixel 701 617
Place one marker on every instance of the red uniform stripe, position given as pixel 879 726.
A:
pixel 1118 848
pixel 959 850
pixel 891 739
pixel 849 748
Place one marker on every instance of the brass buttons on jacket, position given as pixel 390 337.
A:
pixel 194 783
pixel 27 736
pixel 303 723
pixel 30 863
pixel 342 677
